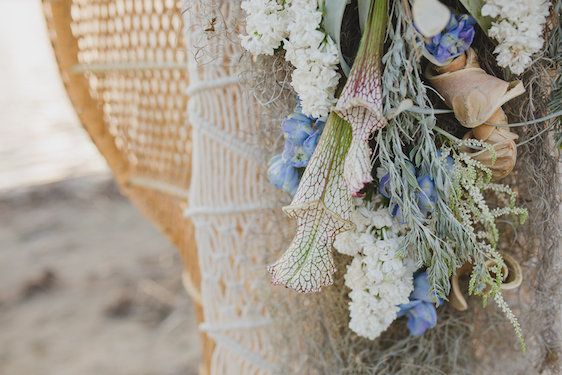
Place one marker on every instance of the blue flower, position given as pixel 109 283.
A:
pixel 301 130
pixel 427 197
pixel 384 185
pixel 396 212
pixel 302 135
pixel 420 311
pixel 309 145
pixel 283 175
pixel 296 130
pixel 393 208
pixel 301 139
pixel 421 317
pixel 384 181
pixel 422 289
pixel 454 40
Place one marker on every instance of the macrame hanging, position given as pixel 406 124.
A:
pixel 230 198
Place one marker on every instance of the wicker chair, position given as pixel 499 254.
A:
pixel 124 66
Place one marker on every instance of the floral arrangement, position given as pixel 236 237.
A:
pixel 413 187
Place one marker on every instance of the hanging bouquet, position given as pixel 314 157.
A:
pixel 399 153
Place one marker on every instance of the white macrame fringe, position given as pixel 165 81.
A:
pixel 228 197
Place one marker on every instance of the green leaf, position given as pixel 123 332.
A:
pixel 332 22
pixel 474 7
pixel 333 19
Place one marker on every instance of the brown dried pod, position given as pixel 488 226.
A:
pixel 483 132
pixel 456 297
pixel 512 279
pixel 474 95
pixel 505 148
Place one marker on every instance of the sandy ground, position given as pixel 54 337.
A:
pixel 87 285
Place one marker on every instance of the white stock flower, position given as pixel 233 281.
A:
pixel 266 26
pixel 379 278
pixel 314 56
pixel 518 29
pixel 346 243
pixel 297 25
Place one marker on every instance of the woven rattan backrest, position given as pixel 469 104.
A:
pixel 124 66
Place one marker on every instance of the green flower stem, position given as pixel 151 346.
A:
pixel 446 134
pixel 372 42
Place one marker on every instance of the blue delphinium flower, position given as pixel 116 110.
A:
pixel 301 139
pixel 384 186
pixel 420 311
pixel 396 212
pixel 427 197
pixel 283 175
pixel 297 129
pixel 454 40
pixel 384 190
pixel 309 144
pixel 302 134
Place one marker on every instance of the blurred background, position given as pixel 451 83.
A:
pixel 87 285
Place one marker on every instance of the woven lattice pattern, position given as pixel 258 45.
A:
pixel 124 66
pixel 126 70
pixel 133 56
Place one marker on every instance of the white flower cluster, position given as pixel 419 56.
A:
pixel 379 278
pixel 266 26
pixel 296 23
pixel 315 58
pixel 518 28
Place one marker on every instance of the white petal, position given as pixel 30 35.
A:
pixel 430 16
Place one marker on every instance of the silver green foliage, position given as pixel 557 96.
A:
pixel 462 227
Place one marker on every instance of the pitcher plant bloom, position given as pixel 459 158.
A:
pixel 360 103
